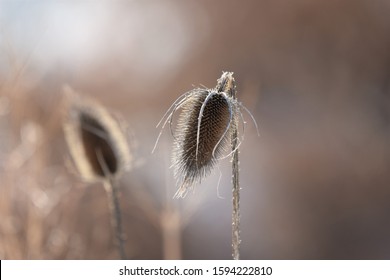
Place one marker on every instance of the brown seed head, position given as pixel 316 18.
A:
pixel 203 131
pixel 96 143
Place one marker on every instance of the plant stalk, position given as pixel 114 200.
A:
pixel 236 199
pixel 115 213
pixel 227 84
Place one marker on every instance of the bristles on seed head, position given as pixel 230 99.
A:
pixel 95 139
pixel 203 131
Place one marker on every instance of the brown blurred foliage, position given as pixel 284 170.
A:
pixel 315 75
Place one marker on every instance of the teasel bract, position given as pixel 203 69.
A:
pixel 98 148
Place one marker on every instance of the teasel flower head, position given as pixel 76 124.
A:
pixel 203 131
pixel 95 139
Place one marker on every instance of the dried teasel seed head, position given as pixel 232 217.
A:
pixel 203 132
pixel 95 139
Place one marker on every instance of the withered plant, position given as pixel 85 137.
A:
pixel 99 151
pixel 206 128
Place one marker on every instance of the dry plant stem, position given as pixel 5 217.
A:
pixel 116 218
pixel 227 84
pixel 236 240
pixel 236 200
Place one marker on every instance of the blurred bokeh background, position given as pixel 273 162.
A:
pixel 314 74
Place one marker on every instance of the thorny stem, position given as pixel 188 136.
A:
pixel 116 219
pixel 227 84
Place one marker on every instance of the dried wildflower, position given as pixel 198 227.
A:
pixel 207 124
pixel 202 135
pixel 204 130
pixel 96 142
pixel 99 150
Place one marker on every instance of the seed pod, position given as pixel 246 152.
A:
pixel 96 143
pixel 204 130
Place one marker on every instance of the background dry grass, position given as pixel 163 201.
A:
pixel 315 74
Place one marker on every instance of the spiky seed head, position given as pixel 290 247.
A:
pixel 203 131
pixel 95 139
